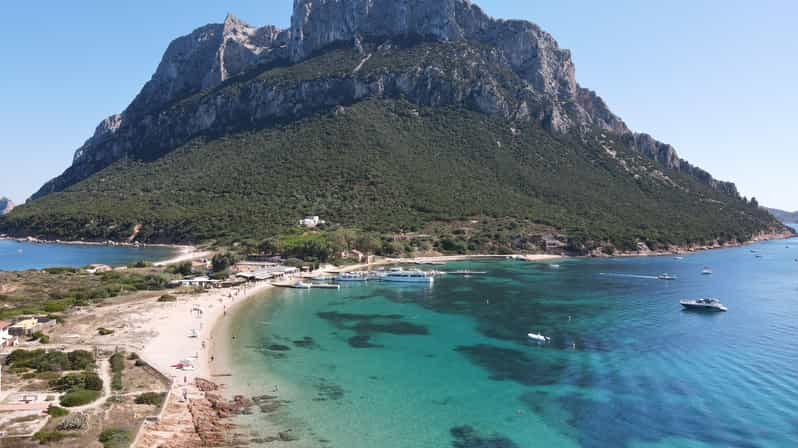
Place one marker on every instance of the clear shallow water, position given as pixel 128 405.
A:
pixel 412 366
pixel 15 256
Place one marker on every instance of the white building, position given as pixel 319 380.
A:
pixel 311 221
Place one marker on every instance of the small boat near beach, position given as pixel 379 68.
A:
pixel 666 276
pixel 706 304
pixel 538 338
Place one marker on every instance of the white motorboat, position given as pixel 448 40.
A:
pixel 666 276
pixel 707 271
pixel 412 276
pixel 302 285
pixel 352 277
pixel 706 304
pixel 539 338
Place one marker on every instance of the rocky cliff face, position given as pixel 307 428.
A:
pixel 5 205
pixel 518 71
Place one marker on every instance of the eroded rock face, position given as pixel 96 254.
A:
pixel 160 120
pixel 6 205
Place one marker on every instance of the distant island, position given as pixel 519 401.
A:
pixel 783 216
pixel 6 205
pixel 418 126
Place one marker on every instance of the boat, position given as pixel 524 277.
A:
pixel 707 271
pixel 678 258
pixel 554 266
pixel 301 285
pixel 430 263
pixel 352 277
pixel 666 276
pixel 539 338
pixel 412 276
pixel 706 304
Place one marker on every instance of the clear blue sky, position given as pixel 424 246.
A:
pixel 718 79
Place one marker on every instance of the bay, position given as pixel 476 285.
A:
pixel 449 365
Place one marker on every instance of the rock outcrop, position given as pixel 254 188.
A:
pixel 5 205
pixel 510 68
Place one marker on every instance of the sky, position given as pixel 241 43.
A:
pixel 714 78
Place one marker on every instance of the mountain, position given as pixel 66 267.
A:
pixel 5 205
pixel 386 115
pixel 783 216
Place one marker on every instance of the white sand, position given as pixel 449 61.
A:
pixel 172 326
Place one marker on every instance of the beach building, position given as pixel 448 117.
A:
pixel 268 273
pixel 197 282
pixel 311 222
pixel 24 327
pixel 6 339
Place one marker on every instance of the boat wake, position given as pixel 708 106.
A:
pixel 645 277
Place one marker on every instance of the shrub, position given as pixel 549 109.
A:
pixel 81 380
pixel 183 268
pixel 222 262
pixel 53 361
pixel 151 398
pixel 117 366
pixel 104 331
pixel 55 411
pixel 44 339
pixel 115 437
pixel 75 422
pixel 79 397
pixel 167 298
pixel 47 437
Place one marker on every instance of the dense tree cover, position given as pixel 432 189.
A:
pixel 54 361
pixel 387 167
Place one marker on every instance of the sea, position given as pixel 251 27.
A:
pixel 20 256
pixel 450 365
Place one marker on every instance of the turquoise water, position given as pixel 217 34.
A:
pixel 16 256
pixel 380 365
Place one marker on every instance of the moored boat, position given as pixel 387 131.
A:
pixel 412 276
pixel 352 277
pixel 539 338
pixel 706 304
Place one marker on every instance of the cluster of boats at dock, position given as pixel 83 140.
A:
pixel 393 275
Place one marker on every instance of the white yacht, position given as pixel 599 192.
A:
pixel 707 271
pixel 352 277
pixel 412 276
pixel 707 304
pixel 539 338
pixel 301 285
pixel 666 277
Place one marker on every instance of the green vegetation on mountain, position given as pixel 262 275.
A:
pixel 381 167
pixel 387 166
